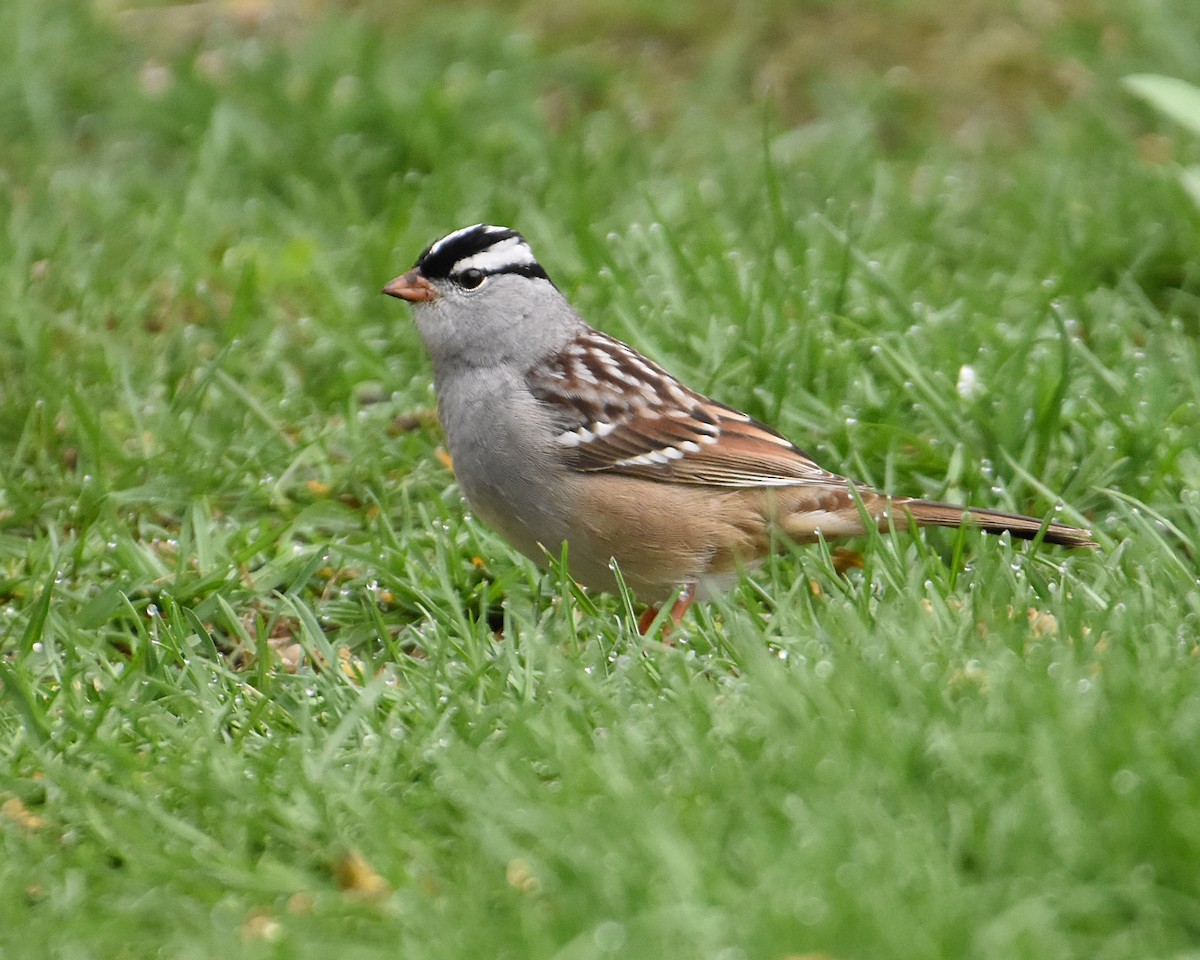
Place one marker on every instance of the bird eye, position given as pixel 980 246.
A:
pixel 472 278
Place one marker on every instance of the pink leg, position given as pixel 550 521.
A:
pixel 680 606
pixel 646 619
pixel 678 609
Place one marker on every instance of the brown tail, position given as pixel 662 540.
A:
pixel 934 514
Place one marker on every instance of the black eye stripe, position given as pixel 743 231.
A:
pixel 521 270
pixel 489 249
pixel 440 258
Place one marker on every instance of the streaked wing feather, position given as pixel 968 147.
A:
pixel 621 413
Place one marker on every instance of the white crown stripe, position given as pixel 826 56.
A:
pixel 512 252
pixel 451 237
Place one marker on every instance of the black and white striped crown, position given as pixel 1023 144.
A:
pixel 483 247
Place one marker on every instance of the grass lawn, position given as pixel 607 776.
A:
pixel 268 690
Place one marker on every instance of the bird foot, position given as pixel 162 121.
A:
pixel 678 609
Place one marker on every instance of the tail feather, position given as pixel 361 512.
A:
pixel 933 514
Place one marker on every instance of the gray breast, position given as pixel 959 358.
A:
pixel 501 442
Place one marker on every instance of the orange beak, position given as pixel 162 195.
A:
pixel 412 287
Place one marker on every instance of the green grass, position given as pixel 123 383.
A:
pixel 217 458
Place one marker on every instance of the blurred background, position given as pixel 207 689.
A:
pixel 180 176
pixel 267 690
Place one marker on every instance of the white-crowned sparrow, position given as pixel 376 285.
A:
pixel 558 432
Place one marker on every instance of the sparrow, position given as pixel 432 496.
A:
pixel 559 433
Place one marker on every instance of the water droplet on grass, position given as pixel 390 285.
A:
pixel 1124 782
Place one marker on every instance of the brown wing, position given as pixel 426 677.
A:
pixel 621 413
